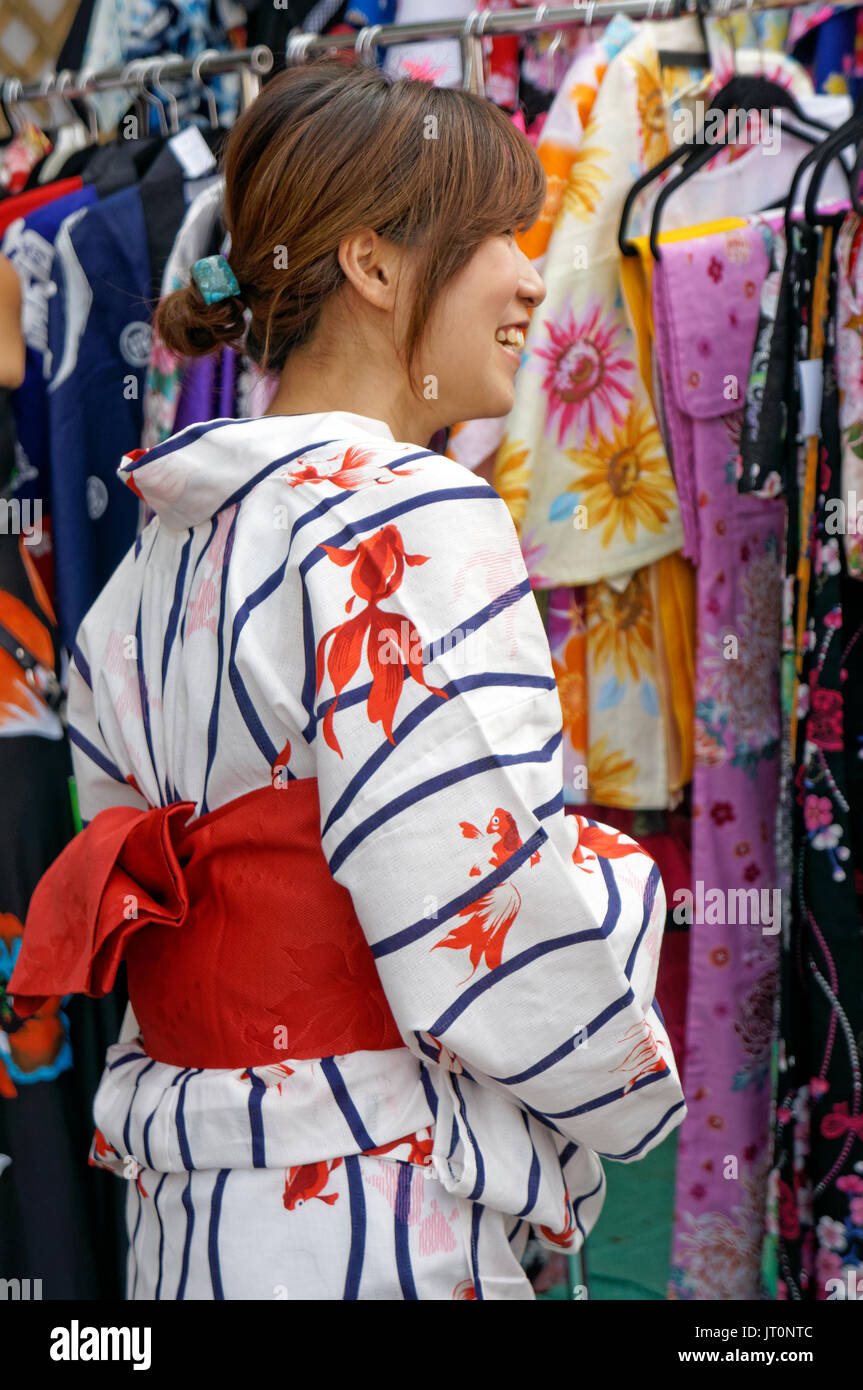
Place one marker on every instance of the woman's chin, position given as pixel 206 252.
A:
pixel 490 404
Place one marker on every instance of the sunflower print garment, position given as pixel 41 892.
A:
pixel 580 390
pixel 574 171
pixel 601 500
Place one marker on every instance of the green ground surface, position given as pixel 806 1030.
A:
pixel 629 1249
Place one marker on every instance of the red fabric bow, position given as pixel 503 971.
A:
pixel 241 948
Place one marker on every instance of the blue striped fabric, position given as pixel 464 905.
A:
pixel 314 599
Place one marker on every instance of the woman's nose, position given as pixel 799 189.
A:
pixel 531 285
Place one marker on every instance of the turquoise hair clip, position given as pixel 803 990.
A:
pixel 215 279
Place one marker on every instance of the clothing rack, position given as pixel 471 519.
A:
pixel 255 62
pixel 498 23
pixel 482 24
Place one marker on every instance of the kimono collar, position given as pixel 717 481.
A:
pixel 193 475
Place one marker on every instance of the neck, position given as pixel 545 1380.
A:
pixel 310 384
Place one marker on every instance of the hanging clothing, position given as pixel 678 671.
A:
pixel 619 747
pixel 814 1180
pixel 849 369
pixel 475 442
pixel 29 245
pixel 705 312
pixel 56 1225
pixel 100 346
pixel 826 38
pixel 461 782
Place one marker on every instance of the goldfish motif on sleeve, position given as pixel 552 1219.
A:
pixel 601 843
pixel 644 1056
pixel 489 917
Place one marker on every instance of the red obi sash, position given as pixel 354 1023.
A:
pixel 241 948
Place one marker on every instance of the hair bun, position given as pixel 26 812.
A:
pixel 191 328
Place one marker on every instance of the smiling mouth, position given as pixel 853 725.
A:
pixel 511 340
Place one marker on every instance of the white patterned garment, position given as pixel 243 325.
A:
pixel 312 593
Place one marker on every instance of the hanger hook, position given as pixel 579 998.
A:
pixel 156 70
pixel 209 94
pixel 298 46
pixel 46 88
pixel 12 90
pixel 92 113
pixel 64 80
pixel 472 60
pixel 137 71
pixel 365 42
pixel 260 60
pixel 143 74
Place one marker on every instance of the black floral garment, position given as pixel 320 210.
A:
pixel 817 1174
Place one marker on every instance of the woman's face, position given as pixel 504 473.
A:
pixel 476 333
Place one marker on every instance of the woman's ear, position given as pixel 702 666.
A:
pixel 372 265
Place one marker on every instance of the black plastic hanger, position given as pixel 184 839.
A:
pixel 703 157
pixel 743 91
pixel 849 133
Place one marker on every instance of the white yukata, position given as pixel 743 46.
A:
pixel 313 599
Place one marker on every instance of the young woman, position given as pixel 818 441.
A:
pixel 392 1005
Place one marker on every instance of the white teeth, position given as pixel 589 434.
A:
pixel 513 337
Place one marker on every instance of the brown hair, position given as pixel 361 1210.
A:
pixel 326 149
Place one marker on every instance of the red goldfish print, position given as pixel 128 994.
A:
pixel 358 466
pixel 419 1145
pixel 273 1075
pixel 489 918
pixel 464 1290
pixel 308 1181
pixel 104 1155
pixel 503 825
pixel 446 1059
pixel 378 566
pixel 565 1236
pixel 102 1150
pixel 644 1056
pixel 129 478
pixel 598 841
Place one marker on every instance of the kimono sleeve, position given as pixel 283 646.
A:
pixel 517 945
